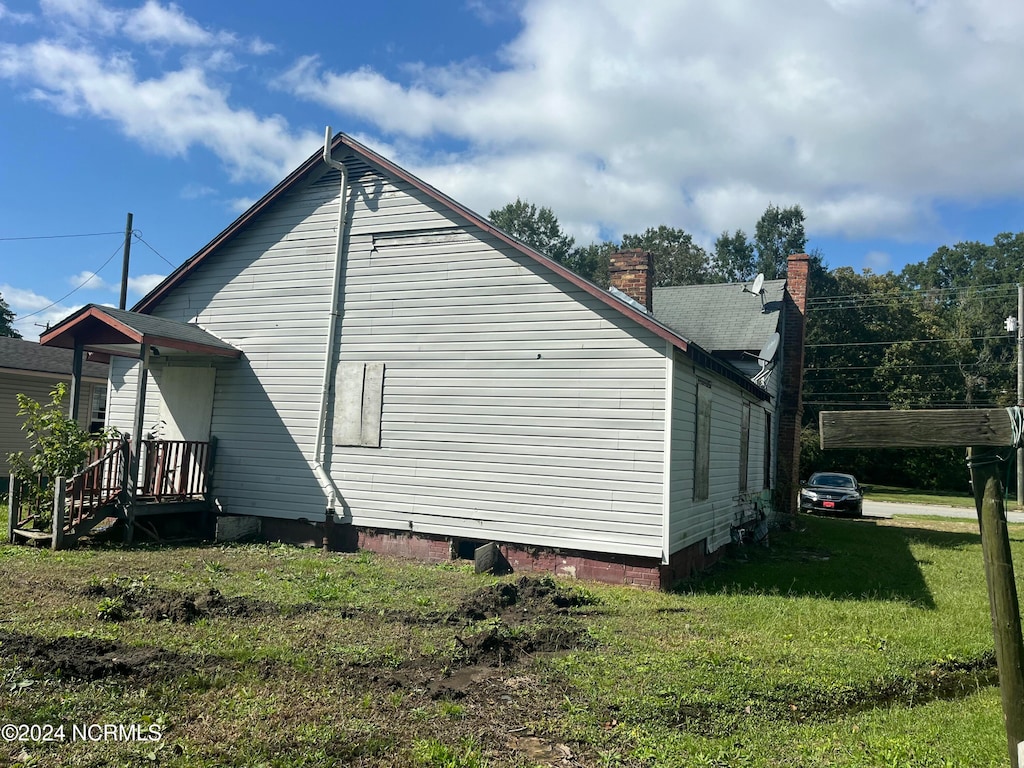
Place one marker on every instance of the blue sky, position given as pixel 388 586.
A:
pixel 897 124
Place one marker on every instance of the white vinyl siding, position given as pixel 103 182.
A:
pixel 516 407
pixel 693 520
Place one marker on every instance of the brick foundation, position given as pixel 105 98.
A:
pixel 632 570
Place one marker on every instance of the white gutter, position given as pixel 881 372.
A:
pixel 329 488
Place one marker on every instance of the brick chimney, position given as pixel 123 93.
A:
pixel 790 406
pixel 632 272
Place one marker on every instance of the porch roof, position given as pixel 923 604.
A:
pixel 126 334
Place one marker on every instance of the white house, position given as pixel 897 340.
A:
pixel 400 375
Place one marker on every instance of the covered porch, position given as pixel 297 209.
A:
pixel 147 472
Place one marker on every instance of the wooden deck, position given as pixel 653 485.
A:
pixel 174 476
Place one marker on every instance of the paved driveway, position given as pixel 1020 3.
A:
pixel 888 509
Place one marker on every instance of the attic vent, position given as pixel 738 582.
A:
pixel 422 237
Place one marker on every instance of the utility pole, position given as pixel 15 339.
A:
pixel 124 262
pixel 984 430
pixel 1020 387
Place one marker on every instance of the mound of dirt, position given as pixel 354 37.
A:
pixel 502 645
pixel 164 605
pixel 86 658
pixel 527 596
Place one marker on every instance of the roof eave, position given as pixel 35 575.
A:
pixel 151 300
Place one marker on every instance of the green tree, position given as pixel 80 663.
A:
pixel 591 261
pixel 6 320
pixel 537 227
pixel 779 233
pixel 59 448
pixel 734 257
pixel 677 259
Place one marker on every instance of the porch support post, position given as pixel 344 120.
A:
pixel 75 392
pixel 136 449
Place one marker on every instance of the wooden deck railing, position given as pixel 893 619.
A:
pixel 171 471
pixel 175 470
pixel 100 483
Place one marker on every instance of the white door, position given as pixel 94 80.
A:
pixel 186 403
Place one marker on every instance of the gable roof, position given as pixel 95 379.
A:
pixel 343 142
pixel 723 317
pixel 30 357
pixel 120 332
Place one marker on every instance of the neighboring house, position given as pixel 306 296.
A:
pixel 413 380
pixel 26 368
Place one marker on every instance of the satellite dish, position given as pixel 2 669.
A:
pixel 765 358
pixel 767 353
pixel 757 288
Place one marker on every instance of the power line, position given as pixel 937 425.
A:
pixel 887 405
pixel 890 366
pixel 79 286
pixel 57 237
pixel 138 236
pixel 925 292
pixel 902 341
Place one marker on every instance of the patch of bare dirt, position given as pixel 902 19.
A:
pixel 517 620
pixel 86 658
pixel 120 602
pixel 522 598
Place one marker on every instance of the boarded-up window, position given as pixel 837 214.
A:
pixel 702 450
pixel 767 449
pixel 744 446
pixel 358 398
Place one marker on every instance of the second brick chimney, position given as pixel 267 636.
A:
pixel 790 406
pixel 632 272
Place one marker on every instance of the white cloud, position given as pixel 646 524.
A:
pixel 166 24
pixel 33 312
pixel 152 23
pixel 83 14
pixel 170 114
pixel 14 17
pixel 196 191
pixel 143 284
pixel 878 261
pixel 260 47
pixel 89 281
pixel 700 114
pixel 241 204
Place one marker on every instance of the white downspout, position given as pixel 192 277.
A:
pixel 330 489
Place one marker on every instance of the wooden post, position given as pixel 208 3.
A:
pixel 983 429
pixel 1002 593
pixel 136 453
pixel 13 502
pixel 57 538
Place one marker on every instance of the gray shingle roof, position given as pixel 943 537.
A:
pixel 148 325
pixel 25 355
pixel 98 327
pixel 721 318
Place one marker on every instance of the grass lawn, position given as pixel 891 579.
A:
pixel 912 496
pixel 848 643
